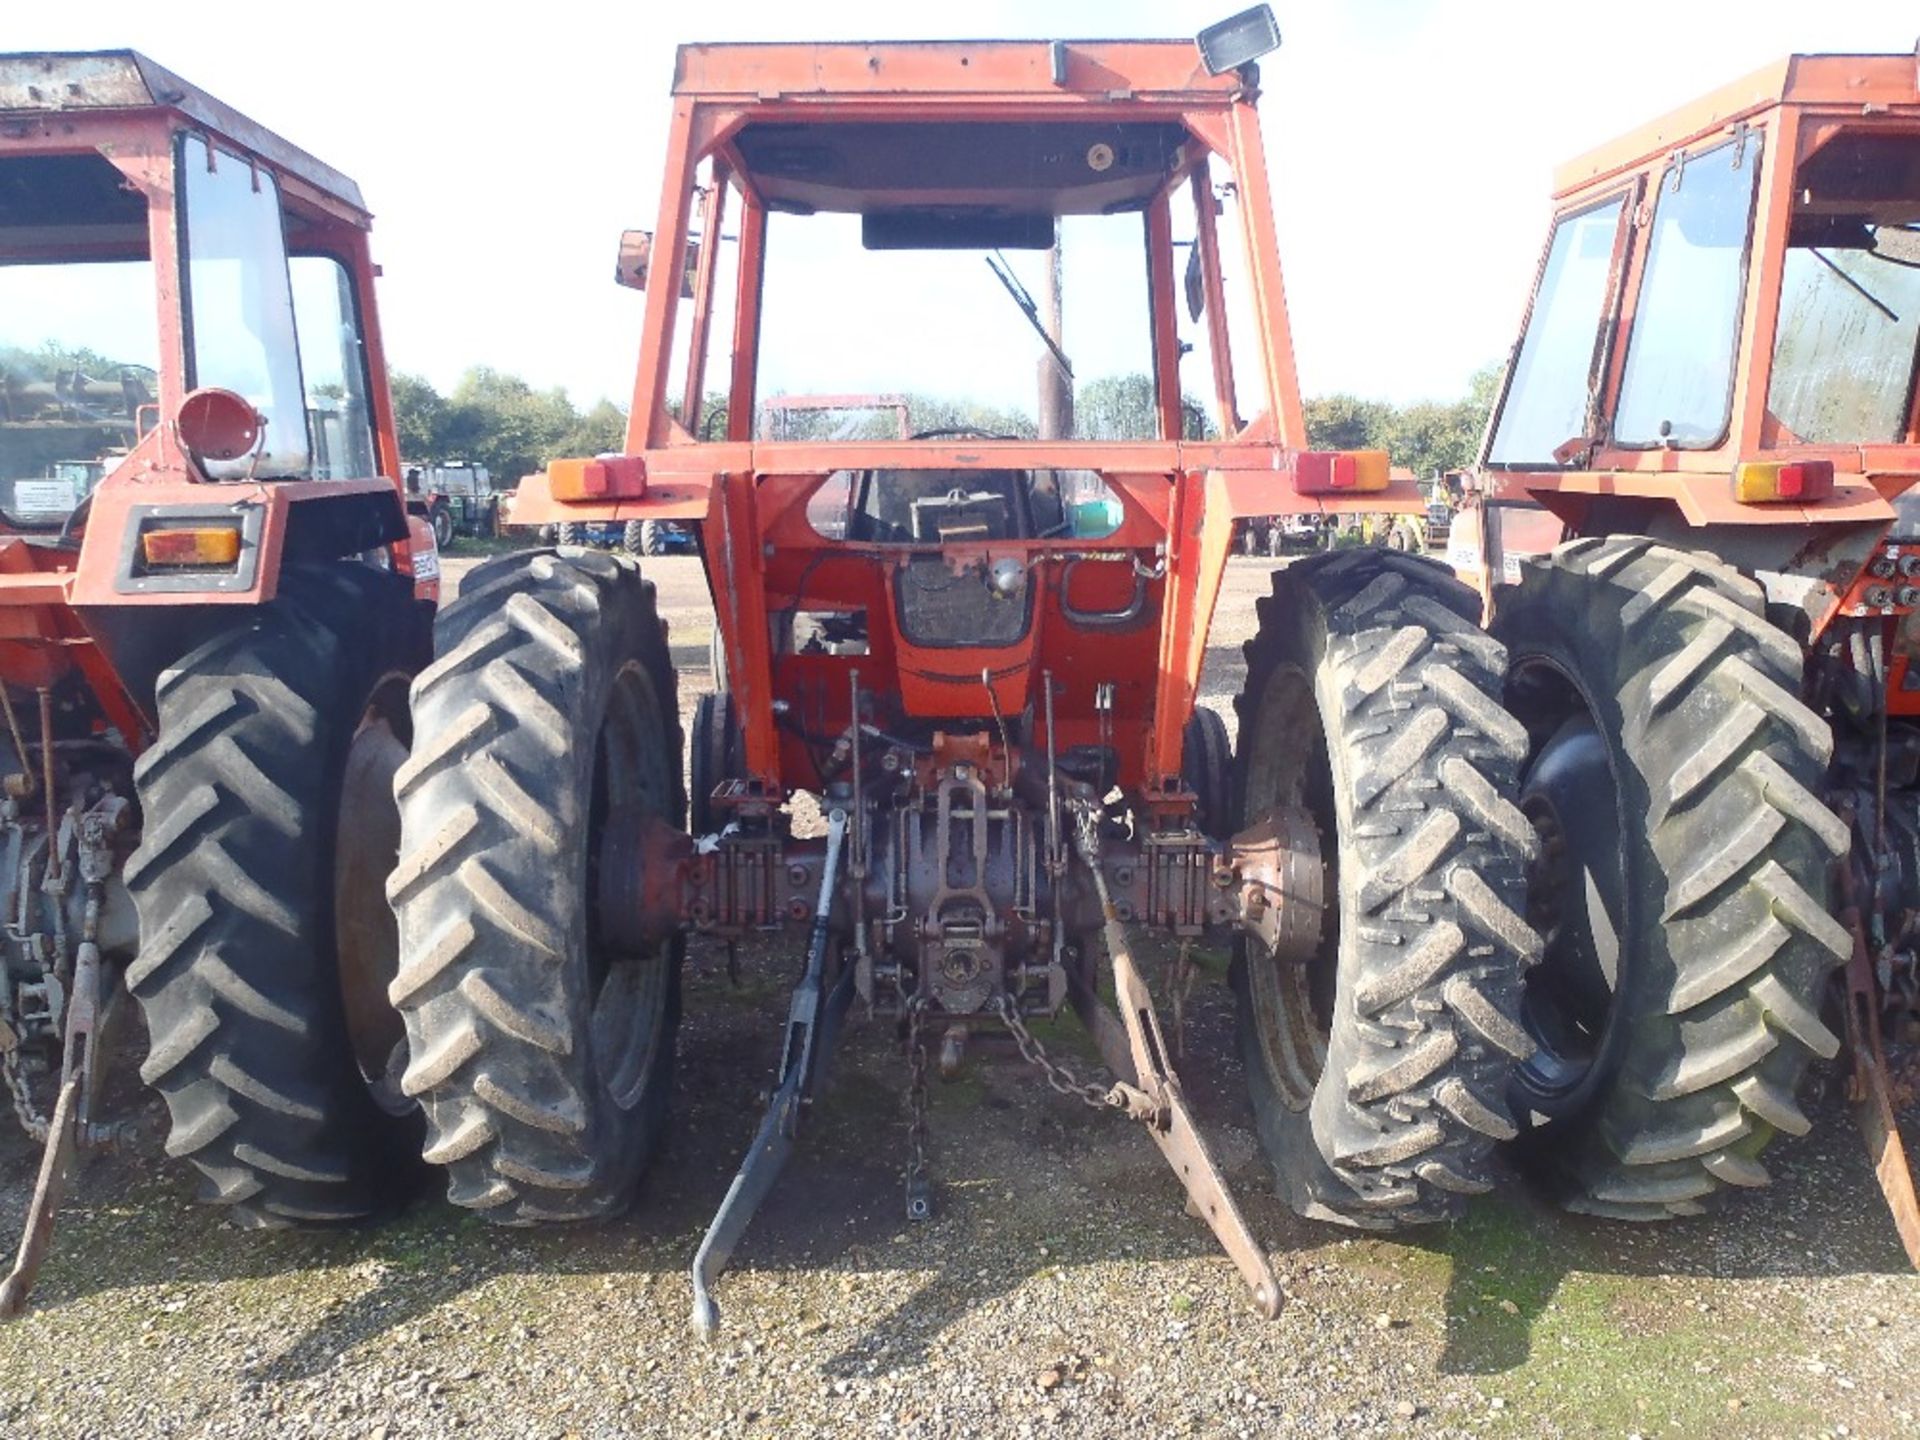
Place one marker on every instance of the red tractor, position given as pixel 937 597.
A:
pixel 990 692
pixel 1696 526
pixel 211 609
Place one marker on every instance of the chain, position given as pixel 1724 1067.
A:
pixel 919 1202
pixel 1057 1075
pixel 31 1120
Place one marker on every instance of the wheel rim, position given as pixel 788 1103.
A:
pixel 1292 1003
pixel 366 933
pixel 1576 893
pixel 628 992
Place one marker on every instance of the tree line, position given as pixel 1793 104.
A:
pixel 498 420
pixel 1427 437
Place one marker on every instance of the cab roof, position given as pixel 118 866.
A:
pixel 947 132
pixel 51 82
pixel 953 71
pixel 1860 83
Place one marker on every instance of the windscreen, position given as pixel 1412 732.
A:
pixel 79 332
pixel 993 275
pixel 1552 379
pixel 1677 389
pixel 963 333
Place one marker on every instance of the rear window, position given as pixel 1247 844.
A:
pixel 1845 343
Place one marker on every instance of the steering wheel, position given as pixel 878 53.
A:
pixel 952 432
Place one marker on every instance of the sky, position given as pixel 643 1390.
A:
pixel 1411 144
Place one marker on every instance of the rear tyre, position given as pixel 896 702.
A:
pixel 1206 764
pixel 633 537
pixel 651 538
pixel 542 1056
pixel 718 754
pixel 1379 1067
pixel 569 532
pixel 1684 885
pixel 442 521
pixel 262 1042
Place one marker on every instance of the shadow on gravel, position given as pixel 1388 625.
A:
pixel 1028 1182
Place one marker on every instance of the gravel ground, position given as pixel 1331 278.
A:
pixel 1059 1290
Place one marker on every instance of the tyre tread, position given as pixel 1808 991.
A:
pixel 1432 865
pixel 232 885
pixel 1705 691
pixel 492 1006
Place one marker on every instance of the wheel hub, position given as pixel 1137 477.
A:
pixel 1575 896
pixel 366 848
pixel 1282 884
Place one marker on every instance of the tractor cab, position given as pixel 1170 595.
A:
pixel 990 330
pixel 1698 539
pixel 156 246
pixel 1725 328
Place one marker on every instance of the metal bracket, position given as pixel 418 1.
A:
pixel 1133 1045
pixel 1872 1097
pixel 813 1024
pixel 63 1133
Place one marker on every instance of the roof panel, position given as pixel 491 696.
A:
pixel 1102 69
pixel 1854 81
pixel 58 81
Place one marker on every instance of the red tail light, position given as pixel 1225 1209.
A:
pixel 1332 472
pixel 1757 482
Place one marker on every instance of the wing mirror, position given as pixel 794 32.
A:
pixel 636 258
pixel 636 252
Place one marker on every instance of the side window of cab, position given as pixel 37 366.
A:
pixel 1551 380
pixel 283 333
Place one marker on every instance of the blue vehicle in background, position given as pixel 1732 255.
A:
pixel 636 537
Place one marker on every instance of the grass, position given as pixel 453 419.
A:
pixel 1570 1346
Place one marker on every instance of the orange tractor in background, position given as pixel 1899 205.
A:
pixel 1700 544
pixel 1063 255
pixel 211 608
